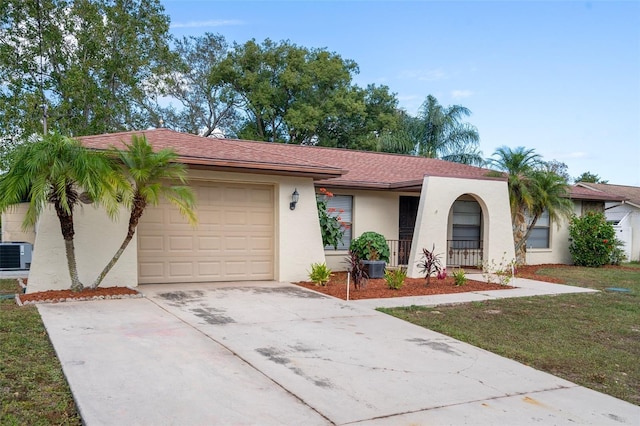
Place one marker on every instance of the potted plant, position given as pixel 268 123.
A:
pixel 373 250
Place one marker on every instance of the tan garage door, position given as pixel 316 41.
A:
pixel 233 240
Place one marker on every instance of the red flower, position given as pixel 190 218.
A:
pixel 605 241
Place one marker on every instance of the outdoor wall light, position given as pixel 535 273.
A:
pixel 294 199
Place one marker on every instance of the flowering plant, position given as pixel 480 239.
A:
pixel 332 227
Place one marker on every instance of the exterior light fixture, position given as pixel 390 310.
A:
pixel 294 199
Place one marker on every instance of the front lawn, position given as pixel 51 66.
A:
pixel 33 389
pixel 589 339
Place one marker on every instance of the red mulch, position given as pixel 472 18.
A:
pixel 337 287
pixel 86 294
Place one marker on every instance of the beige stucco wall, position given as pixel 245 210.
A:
pixel 298 243
pixel 558 251
pixel 12 225
pixel 432 223
pixel 96 240
pixel 376 211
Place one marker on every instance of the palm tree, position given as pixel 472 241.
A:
pixel 518 163
pixel 549 192
pixel 532 189
pixel 436 132
pixel 54 170
pixel 151 176
pixel 444 136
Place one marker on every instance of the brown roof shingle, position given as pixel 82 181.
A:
pixel 335 167
pixel 622 192
pixel 582 193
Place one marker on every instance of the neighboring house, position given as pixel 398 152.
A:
pixel 247 231
pixel 549 242
pixel 623 214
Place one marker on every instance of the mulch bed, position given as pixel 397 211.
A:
pixel 55 296
pixel 377 288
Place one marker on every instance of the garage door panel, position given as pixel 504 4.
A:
pixel 234 239
pixel 151 243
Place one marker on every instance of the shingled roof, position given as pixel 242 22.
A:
pixel 630 194
pixel 331 166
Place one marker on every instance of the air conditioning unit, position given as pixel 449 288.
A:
pixel 16 255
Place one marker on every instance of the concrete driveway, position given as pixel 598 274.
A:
pixel 274 353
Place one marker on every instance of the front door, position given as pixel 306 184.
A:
pixel 407 223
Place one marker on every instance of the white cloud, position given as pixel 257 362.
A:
pixel 459 94
pixel 206 24
pixel 424 75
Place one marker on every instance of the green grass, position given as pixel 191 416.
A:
pixel 33 390
pixel 589 339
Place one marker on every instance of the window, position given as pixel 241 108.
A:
pixel 467 221
pixel 341 206
pixel 539 236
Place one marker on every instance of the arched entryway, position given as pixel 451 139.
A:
pixel 465 233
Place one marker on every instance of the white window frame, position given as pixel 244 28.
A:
pixel 542 226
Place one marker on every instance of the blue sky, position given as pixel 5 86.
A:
pixel 560 77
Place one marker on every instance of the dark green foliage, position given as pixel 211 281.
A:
pixel 590 178
pixel 370 246
pixel 100 62
pixel 331 227
pixel 592 240
pixel 617 254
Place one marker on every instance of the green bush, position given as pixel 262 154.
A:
pixel 459 277
pixel 592 240
pixel 395 278
pixel 320 274
pixel 617 254
pixel 370 246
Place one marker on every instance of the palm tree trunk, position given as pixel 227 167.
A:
pixel 68 232
pixel 519 237
pixel 70 250
pixel 139 205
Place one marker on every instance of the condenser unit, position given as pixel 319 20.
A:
pixel 15 255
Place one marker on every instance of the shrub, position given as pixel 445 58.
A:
pixel 395 278
pixel 320 274
pixel 355 267
pixel 592 240
pixel 370 246
pixel 617 254
pixel 459 277
pixel 430 263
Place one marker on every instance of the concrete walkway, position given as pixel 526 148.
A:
pixel 276 354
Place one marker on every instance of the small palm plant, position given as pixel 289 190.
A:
pixel 151 175
pixel 320 274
